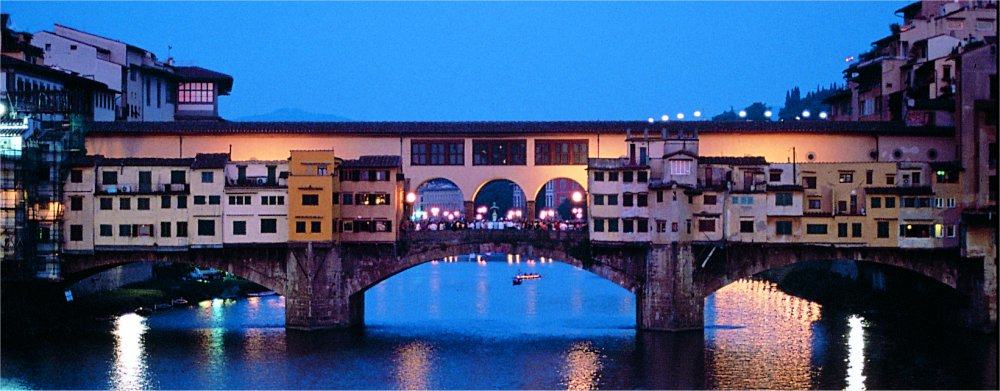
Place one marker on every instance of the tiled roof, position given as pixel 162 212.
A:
pixel 376 161
pixel 733 160
pixel 491 128
pixel 893 190
pixel 210 160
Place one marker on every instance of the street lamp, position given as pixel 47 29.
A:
pixel 697 113
pixel 806 113
pixel 743 113
pixel 577 196
pixel 822 115
pixel 768 113
pixel 650 119
pixel 411 197
pixel 435 211
pixel 680 115
pixel 665 118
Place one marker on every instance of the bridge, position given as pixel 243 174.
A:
pixel 324 283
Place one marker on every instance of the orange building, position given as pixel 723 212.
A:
pixel 311 186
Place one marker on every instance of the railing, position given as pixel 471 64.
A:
pixel 493 235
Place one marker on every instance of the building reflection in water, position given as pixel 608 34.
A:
pixel 413 365
pixel 583 367
pixel 482 293
pixel 434 300
pixel 856 353
pixel 757 335
pixel 129 371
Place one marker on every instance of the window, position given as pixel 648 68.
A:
pixel 76 176
pixel 348 199
pixel 680 167
pixel 743 200
pixel 177 177
pixel 182 202
pixel 242 199
pixel 109 178
pixel 300 227
pixel 272 200
pixel 869 177
pixel 950 203
pixel 710 199
pixel 182 229
pixel 783 227
pixel 612 199
pixel 774 176
pixel 915 230
pixel 916 177
pixel 336 199
pixel 855 230
pixel 613 176
pixel 950 231
pixel 214 200
pixel 106 230
pixel 706 225
pixel 816 229
pixel 124 230
pixel 75 203
pixel 311 199
pixel 890 179
pixel 627 226
pixel 641 199
pixel 598 199
pixel 876 202
pixel 76 233
pixel 437 152
pixel 239 227
pixel 809 182
pixel 946 176
pixel 841 230
pixel 196 93
pixel 124 203
pixel 316 227
pixel 746 226
pixel 628 176
pixel 268 226
pixel 560 152
pixel 783 199
pixel 165 202
pixel 321 169
pixel 627 199
pixel 142 203
pixel 659 196
pixel 207 177
pixel 499 152
pixel 613 225
pixel 642 176
pixel 199 200
pixel 642 225
pixel 890 202
pixel 847 177
pixel 165 229
pixel 661 226
pixel 206 227
pixel 673 226
pixel 598 176
pixel 598 225
pixel 148 91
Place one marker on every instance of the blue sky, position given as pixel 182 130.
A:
pixel 483 61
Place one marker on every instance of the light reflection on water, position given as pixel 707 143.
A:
pixel 461 324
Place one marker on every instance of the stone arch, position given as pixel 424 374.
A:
pixel 739 261
pixel 541 187
pixel 539 195
pixel 262 266
pixel 479 190
pixel 435 184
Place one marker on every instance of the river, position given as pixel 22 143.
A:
pixel 462 324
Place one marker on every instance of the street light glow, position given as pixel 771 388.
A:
pixel 822 115
pixel 577 196
pixel 680 115
pixel 650 119
pixel 743 113
pixel 697 113
pixel 806 113
pixel 411 197
pixel 665 118
pixel 768 114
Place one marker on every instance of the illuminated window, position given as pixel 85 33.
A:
pixel 196 93
pixel 680 167
pixel 560 152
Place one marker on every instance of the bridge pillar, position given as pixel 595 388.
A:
pixel 315 294
pixel 529 211
pixel 669 299
pixel 470 210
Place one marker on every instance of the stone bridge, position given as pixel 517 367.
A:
pixel 324 283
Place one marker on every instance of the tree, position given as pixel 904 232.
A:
pixel 727 116
pixel 755 112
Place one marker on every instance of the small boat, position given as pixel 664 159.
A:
pixel 179 301
pixel 259 294
pixel 162 306
pixel 528 276
pixel 143 311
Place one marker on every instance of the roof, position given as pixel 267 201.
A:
pixel 373 161
pixel 733 160
pixel 194 73
pixel 893 190
pixel 613 164
pixel 210 160
pixel 494 128
pixel 680 152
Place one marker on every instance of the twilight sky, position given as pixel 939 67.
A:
pixel 490 61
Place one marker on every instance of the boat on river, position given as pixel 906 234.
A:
pixel 520 277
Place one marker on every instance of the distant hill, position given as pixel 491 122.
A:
pixel 290 114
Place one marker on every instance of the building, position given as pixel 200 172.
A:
pixel 256 207
pixel 371 194
pixel 311 190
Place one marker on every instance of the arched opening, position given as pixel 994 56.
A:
pixel 500 200
pixel 561 199
pixel 475 294
pixel 438 199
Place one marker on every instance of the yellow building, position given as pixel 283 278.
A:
pixel 311 187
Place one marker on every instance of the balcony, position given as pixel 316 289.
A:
pixel 143 188
pixel 253 181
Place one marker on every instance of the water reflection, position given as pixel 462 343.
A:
pixel 583 367
pixel 758 335
pixel 413 366
pixel 856 353
pixel 129 370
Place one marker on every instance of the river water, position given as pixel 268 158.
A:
pixel 462 324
